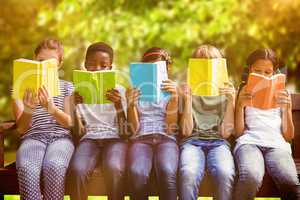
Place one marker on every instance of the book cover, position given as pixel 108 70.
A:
pixel 206 76
pixel 31 74
pixel 148 77
pixel 264 89
pixel 92 86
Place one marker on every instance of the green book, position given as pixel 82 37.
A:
pixel 92 86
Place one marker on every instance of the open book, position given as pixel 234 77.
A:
pixel 92 86
pixel 206 76
pixel 148 78
pixel 264 89
pixel 31 74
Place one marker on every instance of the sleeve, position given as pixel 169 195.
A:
pixel 68 88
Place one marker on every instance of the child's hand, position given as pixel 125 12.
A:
pixel 284 100
pixel 78 99
pixel 244 99
pixel 228 90
pixel 30 100
pixel 132 96
pixel 114 96
pixel 169 86
pixel 45 100
pixel 185 91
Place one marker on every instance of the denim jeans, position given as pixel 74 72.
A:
pixel 194 155
pixel 85 159
pixel 160 153
pixel 252 160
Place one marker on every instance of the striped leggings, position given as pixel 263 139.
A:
pixel 43 161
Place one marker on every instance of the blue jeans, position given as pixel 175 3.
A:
pixel 160 153
pixel 252 160
pixel 47 158
pixel 85 159
pixel 194 155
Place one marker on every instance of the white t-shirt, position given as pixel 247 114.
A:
pixel 101 119
pixel 263 128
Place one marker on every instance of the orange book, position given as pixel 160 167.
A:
pixel 264 89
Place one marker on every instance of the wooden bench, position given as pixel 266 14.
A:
pixel 9 182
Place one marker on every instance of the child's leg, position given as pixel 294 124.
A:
pixel 166 165
pixel 140 157
pixel 114 165
pixel 191 171
pixel 250 163
pixel 220 164
pixel 82 165
pixel 281 167
pixel 55 165
pixel 29 165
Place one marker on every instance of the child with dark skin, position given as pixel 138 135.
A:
pixel 105 128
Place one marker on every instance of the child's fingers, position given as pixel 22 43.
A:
pixel 167 81
pixel 169 89
pixel 41 100
pixel 45 90
pixel 25 97
pixel 42 94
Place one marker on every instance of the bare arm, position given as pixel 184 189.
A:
pixel 287 127
pixel 171 119
pixel 62 117
pixel 133 123
pixel 22 111
pixel 243 99
pixel 227 126
pixel 172 115
pixel 23 118
pixel 239 121
pixel 186 117
pixel 115 96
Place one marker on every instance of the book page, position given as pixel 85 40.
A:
pixel 264 89
pixel 206 76
pixel 26 75
pixel 106 81
pixel 162 75
pixel 85 86
pixel 50 77
pixel 144 77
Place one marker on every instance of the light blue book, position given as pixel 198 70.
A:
pixel 148 78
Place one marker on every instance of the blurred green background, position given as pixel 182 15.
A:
pixel 130 27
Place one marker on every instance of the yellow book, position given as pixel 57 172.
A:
pixel 206 76
pixel 31 74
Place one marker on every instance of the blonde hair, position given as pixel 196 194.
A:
pixel 207 51
pixel 52 44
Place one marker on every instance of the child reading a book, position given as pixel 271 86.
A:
pixel 105 128
pixel 153 144
pixel 46 145
pixel 206 122
pixel 263 136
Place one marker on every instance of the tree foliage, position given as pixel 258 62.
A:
pixel 130 26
